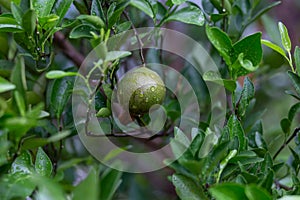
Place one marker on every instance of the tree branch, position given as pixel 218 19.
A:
pixel 68 49
pixel 287 142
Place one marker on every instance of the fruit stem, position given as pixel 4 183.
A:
pixel 140 42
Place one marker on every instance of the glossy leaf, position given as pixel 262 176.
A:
pixel 22 164
pixel 96 9
pixel 295 81
pixel 189 15
pixel 109 183
pixel 43 164
pixel 228 191
pixel 61 7
pixel 143 5
pixel 114 55
pixel 16 186
pixel 90 184
pixel 216 78
pixel 29 21
pixel 275 47
pixel 82 31
pixel 254 192
pixel 297 59
pixel 19 80
pixel 17 12
pixel 236 130
pixel 285 125
pixel 246 96
pixel 221 42
pixel 290 197
pixel 293 111
pixel 92 20
pixel 285 38
pixel 114 17
pixel 178 2
pixel 43 7
pixel 186 188
pixel 251 49
pixel 47 189
pixel 55 74
pixel 5 85
pixel 8 24
pixel 58 94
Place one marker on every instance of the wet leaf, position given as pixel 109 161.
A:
pixel 189 15
pixel 43 164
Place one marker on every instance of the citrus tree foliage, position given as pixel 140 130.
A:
pixel 42 43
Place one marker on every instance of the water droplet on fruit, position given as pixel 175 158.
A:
pixel 152 88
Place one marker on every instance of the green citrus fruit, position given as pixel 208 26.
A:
pixel 140 89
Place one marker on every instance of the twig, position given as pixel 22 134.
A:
pixel 68 49
pixel 279 185
pixel 286 142
pixel 140 42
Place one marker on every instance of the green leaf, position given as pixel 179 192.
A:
pixel 96 9
pixel 144 6
pixel 186 188
pixel 58 94
pixel 181 137
pixel 115 152
pixel 19 80
pixel 109 183
pixel 48 21
pixel 32 143
pixel 5 85
pixel 236 130
pixel 90 183
pixel 82 31
pixel 16 186
pixel 290 197
pixel 43 164
pixel 254 192
pixel 178 2
pixel 61 7
pixel 228 191
pixel 197 143
pixel 295 81
pixel 297 59
pixel 285 38
pixel 285 125
pixel 117 11
pixel 22 164
pixel 47 189
pixel 43 7
pixel 114 55
pixel 17 12
pixel 293 110
pixel 246 96
pixel 216 78
pixel 251 49
pixel 55 74
pixel 8 24
pixel 221 42
pixel 275 47
pixel 29 22
pixel 104 112
pixel 92 20
pixel 189 15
